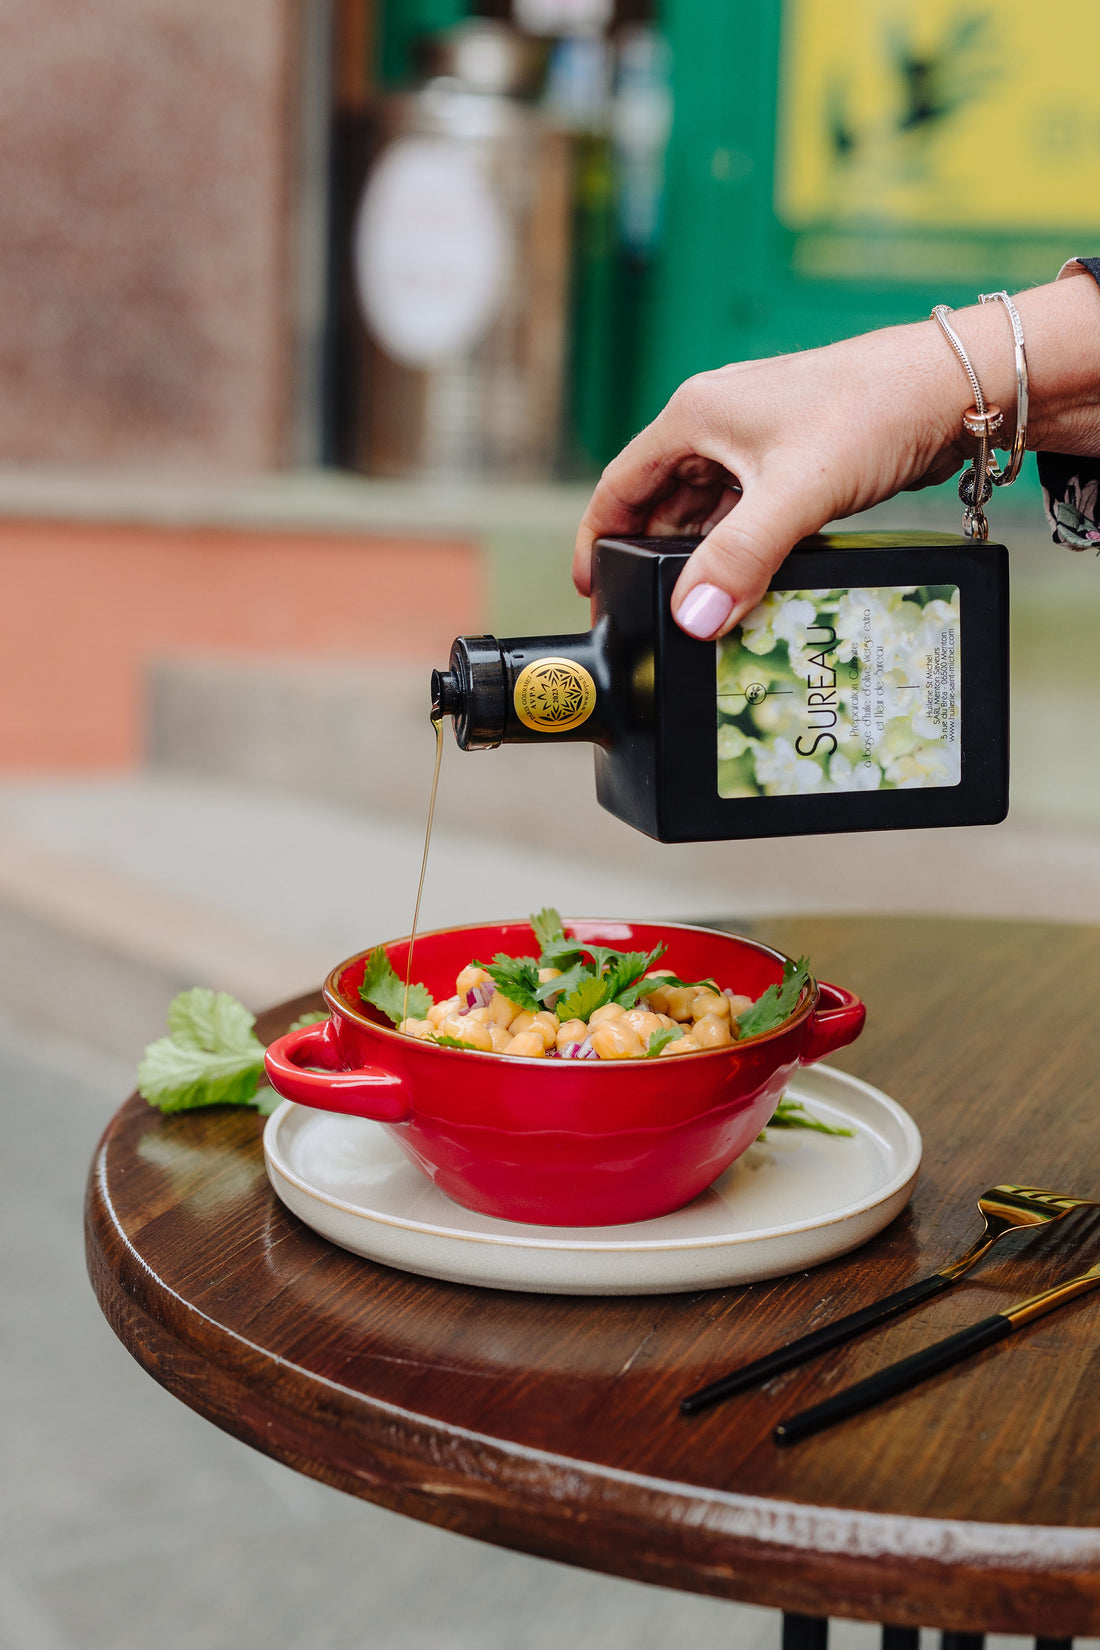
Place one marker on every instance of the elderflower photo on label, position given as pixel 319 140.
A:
pixel 824 691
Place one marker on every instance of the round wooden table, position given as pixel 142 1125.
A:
pixel 550 1424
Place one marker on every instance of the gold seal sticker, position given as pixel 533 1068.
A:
pixel 553 695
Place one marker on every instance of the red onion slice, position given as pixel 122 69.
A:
pixel 478 996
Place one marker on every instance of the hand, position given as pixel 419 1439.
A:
pixel 757 455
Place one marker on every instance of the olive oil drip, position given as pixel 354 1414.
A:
pixel 437 724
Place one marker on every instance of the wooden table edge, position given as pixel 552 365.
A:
pixel 794 1557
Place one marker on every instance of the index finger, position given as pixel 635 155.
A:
pixel 641 477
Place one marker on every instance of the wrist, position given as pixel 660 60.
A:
pixel 1061 324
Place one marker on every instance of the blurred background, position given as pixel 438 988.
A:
pixel 317 318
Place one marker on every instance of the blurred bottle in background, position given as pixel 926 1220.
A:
pixel 460 252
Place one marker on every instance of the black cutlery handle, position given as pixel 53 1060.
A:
pixel 895 1378
pixel 808 1346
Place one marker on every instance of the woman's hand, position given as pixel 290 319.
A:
pixel 757 455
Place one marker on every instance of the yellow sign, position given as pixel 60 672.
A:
pixel 554 695
pixel 940 114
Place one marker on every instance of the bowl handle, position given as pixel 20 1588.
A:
pixel 837 1020
pixel 369 1091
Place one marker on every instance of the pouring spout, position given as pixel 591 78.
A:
pixel 446 694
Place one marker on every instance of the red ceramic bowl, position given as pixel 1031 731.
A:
pixel 561 1142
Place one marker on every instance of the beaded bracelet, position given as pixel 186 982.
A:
pixel 981 421
pixel 984 421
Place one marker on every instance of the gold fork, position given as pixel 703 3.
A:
pixel 1005 1209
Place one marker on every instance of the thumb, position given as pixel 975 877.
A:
pixel 728 573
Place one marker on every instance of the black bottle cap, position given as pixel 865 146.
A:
pixel 472 692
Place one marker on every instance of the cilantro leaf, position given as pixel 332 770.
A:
pixel 443 1041
pixel 384 988
pixel 564 983
pixel 628 975
pixel 548 930
pixel 792 1114
pixel 516 977
pixel 775 1004
pixel 660 1040
pixel 313 1017
pixel 584 999
pixel 210 1057
pixel 561 954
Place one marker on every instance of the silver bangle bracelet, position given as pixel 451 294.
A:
pixel 1005 477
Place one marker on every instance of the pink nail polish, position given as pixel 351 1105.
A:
pixel 704 611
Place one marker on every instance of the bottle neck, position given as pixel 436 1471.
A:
pixel 523 690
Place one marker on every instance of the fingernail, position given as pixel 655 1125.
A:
pixel 704 610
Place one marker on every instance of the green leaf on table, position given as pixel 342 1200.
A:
pixel 517 978
pixel 384 989
pixel 777 1003
pixel 267 1100
pixel 660 1040
pixel 313 1017
pixel 211 1056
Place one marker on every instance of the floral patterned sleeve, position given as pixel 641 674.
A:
pixel 1071 484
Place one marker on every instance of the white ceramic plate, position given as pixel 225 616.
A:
pixel 792 1201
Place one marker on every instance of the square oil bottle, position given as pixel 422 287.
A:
pixel 867 691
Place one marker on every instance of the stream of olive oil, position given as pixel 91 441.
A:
pixel 437 724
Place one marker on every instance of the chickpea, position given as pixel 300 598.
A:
pixel 681 1045
pixel 469 978
pixel 680 1000
pixel 547 1025
pixel 523 1021
pixel 500 1037
pixel 502 1010
pixel 609 1011
pixel 572 1031
pixel 545 975
pixel 614 1040
pixel 457 1025
pixel 439 1011
pixel 711 1031
pixel 658 997
pixel 738 1005
pixel 711 1002
pixel 529 1044
pixel 467 1030
pixel 643 1022
pixel 481 1014
pixel 415 1028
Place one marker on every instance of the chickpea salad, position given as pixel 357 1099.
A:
pixel 575 1001
pixel 572 1001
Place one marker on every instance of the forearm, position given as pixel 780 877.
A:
pixel 1061 323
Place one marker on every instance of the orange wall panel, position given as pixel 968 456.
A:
pixel 84 609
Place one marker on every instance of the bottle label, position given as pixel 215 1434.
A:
pixel 841 690
pixel 553 695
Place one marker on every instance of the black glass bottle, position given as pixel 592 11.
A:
pixel 868 691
